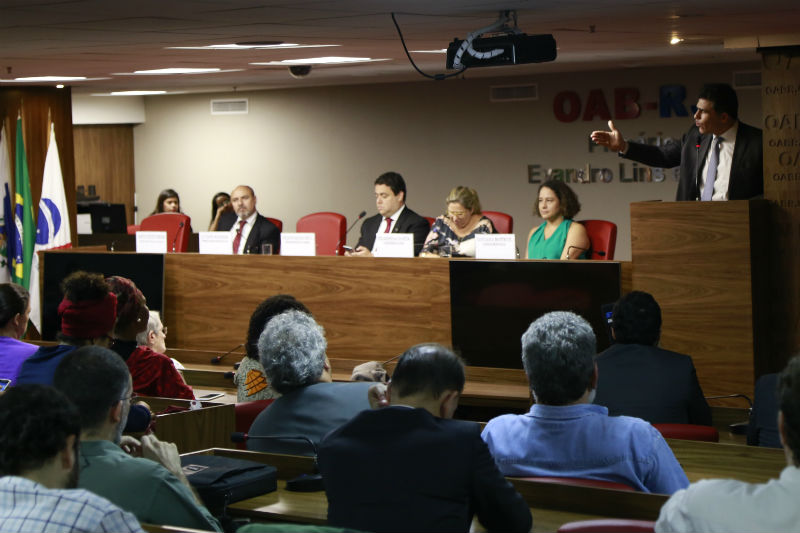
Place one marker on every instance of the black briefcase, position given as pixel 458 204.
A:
pixel 220 481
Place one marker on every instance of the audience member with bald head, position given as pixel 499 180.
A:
pixel 249 230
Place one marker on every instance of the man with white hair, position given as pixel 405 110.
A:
pixel 292 351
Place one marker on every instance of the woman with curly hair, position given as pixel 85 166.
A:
pixel 559 237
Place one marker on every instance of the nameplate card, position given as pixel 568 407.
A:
pixel 215 242
pixel 84 224
pixel 299 244
pixel 495 246
pixel 151 242
pixel 393 245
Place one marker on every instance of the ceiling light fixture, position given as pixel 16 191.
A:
pixel 35 79
pixel 252 46
pixel 440 51
pixel 136 93
pixel 176 70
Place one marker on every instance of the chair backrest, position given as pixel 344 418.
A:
pixel 277 222
pixel 688 432
pixel 602 238
pixel 133 228
pixel 177 225
pixel 430 220
pixel 503 222
pixel 581 482
pixel 246 413
pixel 608 525
pixel 330 229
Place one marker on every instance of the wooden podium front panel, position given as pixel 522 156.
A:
pixel 702 262
pixel 371 308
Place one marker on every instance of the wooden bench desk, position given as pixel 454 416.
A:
pixel 705 460
pixel 193 430
pixel 551 505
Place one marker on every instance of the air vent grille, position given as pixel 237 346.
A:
pixel 514 93
pixel 750 79
pixel 234 106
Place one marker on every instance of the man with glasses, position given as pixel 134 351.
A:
pixel 143 477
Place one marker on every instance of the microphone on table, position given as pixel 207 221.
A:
pixel 361 215
pixel 218 359
pixel 303 482
pixel 175 239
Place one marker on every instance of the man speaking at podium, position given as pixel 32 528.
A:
pixel 393 216
pixel 720 158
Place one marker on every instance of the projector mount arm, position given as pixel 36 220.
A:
pixel 501 25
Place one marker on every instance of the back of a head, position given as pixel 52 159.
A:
pixel 266 310
pixel 394 181
pixel 94 379
pixel 35 421
pixel 13 301
pixel 558 352
pixel 636 319
pixel 88 309
pixel 130 301
pixel 789 404
pixel 465 196
pixel 292 351
pixel 430 368
pixel 724 98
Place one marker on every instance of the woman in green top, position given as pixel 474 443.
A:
pixel 558 237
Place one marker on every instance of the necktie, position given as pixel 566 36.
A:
pixel 713 161
pixel 238 238
pixel 388 225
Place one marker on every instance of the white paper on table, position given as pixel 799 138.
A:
pixel 495 246
pixel 299 244
pixel 393 245
pixel 215 242
pixel 151 242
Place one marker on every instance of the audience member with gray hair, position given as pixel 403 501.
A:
pixel 564 435
pixel 292 351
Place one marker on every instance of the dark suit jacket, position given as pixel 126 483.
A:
pixel 263 231
pixel 402 469
pixel 763 427
pixel 747 167
pixel 408 222
pixel 650 383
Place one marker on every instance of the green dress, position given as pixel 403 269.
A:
pixel 551 248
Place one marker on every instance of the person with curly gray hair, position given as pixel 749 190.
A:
pixel 564 434
pixel 292 349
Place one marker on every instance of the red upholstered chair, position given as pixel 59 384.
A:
pixel 608 525
pixel 688 432
pixel 430 220
pixel 246 413
pixel 602 238
pixel 133 228
pixel 177 225
pixel 503 223
pixel 330 229
pixel 581 482
pixel 277 222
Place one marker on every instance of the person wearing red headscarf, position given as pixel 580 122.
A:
pixel 153 373
pixel 87 314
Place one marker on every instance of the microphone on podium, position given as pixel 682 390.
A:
pixel 218 359
pixel 361 215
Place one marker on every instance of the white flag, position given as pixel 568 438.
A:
pixel 6 216
pixel 52 228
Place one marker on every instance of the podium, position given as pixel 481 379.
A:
pixel 706 263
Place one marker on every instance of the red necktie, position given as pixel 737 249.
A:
pixel 388 225
pixel 238 238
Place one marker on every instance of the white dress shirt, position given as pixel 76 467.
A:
pixel 725 163
pixel 394 217
pixel 721 505
pixel 250 222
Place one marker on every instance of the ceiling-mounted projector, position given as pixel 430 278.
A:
pixel 510 49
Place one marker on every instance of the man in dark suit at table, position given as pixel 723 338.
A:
pixel 408 467
pixel 720 158
pixel 393 216
pixel 249 230
pixel 637 378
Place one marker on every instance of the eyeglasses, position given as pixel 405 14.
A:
pixel 456 213
pixel 132 398
pixel 164 330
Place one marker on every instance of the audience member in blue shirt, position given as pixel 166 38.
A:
pixel 564 435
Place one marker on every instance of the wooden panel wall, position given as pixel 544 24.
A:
pixel 36 104
pixel 704 264
pixel 104 158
